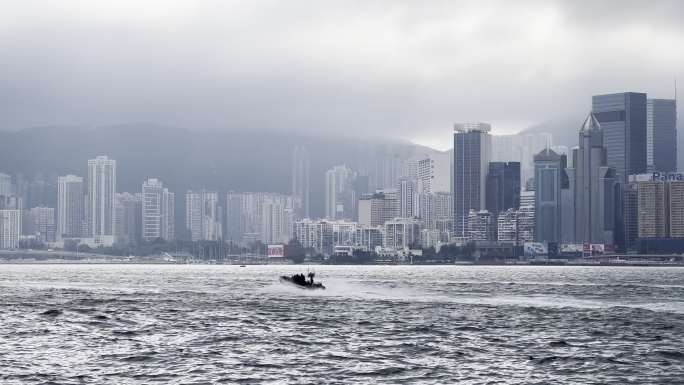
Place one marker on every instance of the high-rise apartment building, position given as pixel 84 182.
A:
pixel 525 220
pixel 158 211
pixel 10 228
pixel 507 226
pixel 676 209
pixel 472 151
pixel 622 118
pixel 406 192
pixel 340 200
pixel 661 135
pixel 433 173
pixel 653 210
pixel 376 209
pixel 128 213
pixel 70 207
pixel 201 215
pixel 41 223
pixel 101 194
pixel 480 226
pixel 402 234
pixel 301 189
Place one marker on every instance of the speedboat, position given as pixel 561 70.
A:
pixel 301 282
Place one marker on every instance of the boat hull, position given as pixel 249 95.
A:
pixel 307 286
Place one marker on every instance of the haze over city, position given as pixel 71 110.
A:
pixel 396 69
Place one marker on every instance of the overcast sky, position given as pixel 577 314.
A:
pixel 407 69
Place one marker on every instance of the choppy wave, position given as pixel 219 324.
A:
pixel 222 324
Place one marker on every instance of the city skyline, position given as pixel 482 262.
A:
pixel 480 189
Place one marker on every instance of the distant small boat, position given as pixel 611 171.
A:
pixel 242 265
pixel 301 282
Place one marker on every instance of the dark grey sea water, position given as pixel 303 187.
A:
pixel 128 324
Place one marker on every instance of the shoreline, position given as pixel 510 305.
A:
pixel 507 264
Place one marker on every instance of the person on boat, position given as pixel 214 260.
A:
pixel 311 277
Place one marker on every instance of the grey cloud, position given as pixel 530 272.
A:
pixel 407 69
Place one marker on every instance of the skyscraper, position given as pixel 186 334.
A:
pixel 433 173
pixel 201 215
pixel 70 207
pixel 300 181
pixel 502 187
pixel 549 169
pixel 595 186
pixel 158 219
pixel 472 149
pixel 406 189
pixel 339 195
pixel 101 194
pixel 622 118
pixel 661 128
pixel 10 228
pixel 128 218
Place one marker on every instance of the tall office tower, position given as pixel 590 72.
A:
pixel 158 219
pixel 406 191
pixel 525 219
pixel 502 187
pixel 70 207
pixel 101 190
pixel 622 118
pixel 6 189
pixel 10 228
pixel 653 209
pixel 201 215
pixel 661 135
pixel 41 222
pixel 567 200
pixel 339 195
pixel 595 185
pixel 128 214
pixel 301 190
pixel 472 149
pixel 480 226
pixel 549 170
pixel 433 173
